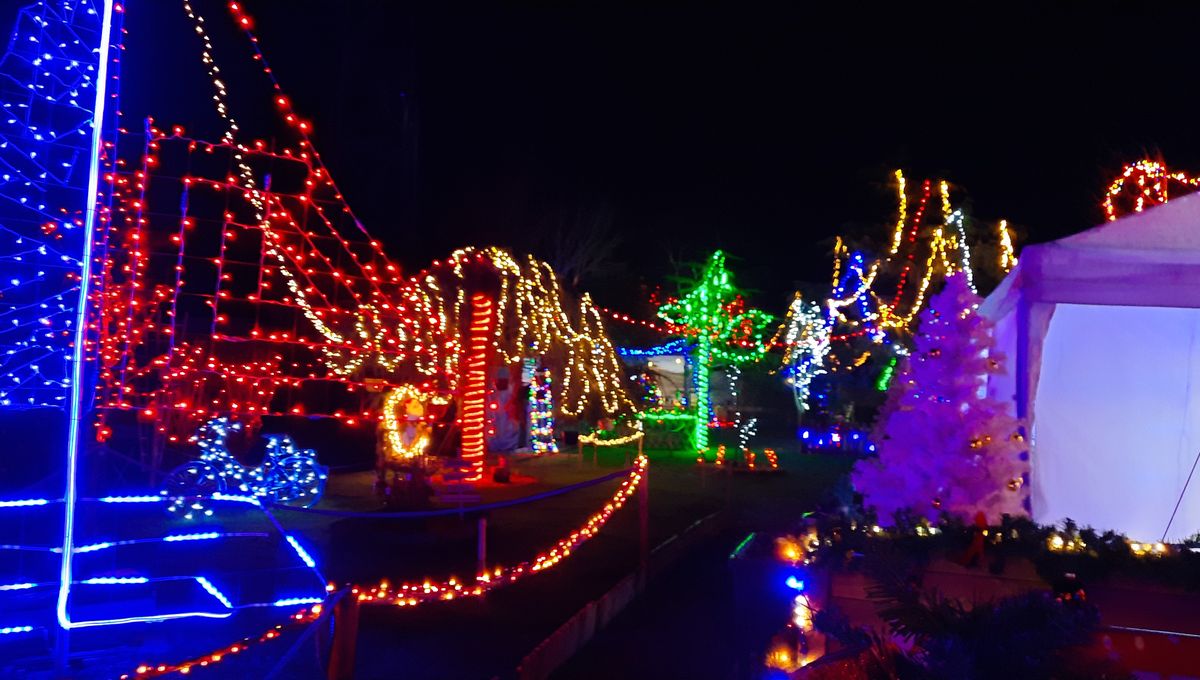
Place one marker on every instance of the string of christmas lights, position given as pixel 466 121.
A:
pixel 541 413
pixel 412 594
pixel 602 438
pixel 904 238
pixel 1143 184
pixel 475 379
pixel 415 594
pixel 303 617
pixel 309 272
pixel 804 336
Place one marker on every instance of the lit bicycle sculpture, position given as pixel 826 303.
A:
pixel 287 475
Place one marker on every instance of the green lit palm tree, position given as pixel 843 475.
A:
pixel 715 316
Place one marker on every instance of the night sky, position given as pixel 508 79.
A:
pixel 763 131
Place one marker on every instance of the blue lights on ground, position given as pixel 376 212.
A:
pixel 836 438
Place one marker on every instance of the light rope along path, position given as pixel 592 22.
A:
pixel 413 594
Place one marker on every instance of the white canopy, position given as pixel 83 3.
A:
pixel 1101 335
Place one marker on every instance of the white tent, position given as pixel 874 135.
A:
pixel 1101 334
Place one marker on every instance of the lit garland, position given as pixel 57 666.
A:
pixel 666 416
pixel 1053 549
pixel 541 413
pixel 412 594
pixel 1149 184
pixel 715 317
pixel 598 437
pixel 793 649
pixel 287 474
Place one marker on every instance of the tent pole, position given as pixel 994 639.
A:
pixel 1181 494
pixel 1022 395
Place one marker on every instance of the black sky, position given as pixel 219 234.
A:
pixel 764 130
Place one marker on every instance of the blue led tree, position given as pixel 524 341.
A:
pixel 58 122
pixel 58 140
pixel 50 167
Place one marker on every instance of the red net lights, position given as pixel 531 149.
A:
pixel 236 281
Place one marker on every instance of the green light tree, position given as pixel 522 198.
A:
pixel 713 314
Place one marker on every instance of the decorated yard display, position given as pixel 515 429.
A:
pixel 163 285
pixel 868 318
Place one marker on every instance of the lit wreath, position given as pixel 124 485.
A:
pixel 413 425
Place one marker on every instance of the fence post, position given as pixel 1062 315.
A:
pixel 644 528
pixel 481 546
pixel 345 638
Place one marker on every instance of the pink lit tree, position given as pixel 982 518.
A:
pixel 944 444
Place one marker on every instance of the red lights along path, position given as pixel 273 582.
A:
pixel 416 594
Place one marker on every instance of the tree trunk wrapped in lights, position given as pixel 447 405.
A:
pixel 714 314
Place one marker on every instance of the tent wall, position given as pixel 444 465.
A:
pixel 1099 332
pixel 1117 419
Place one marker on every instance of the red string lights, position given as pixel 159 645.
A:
pixel 302 617
pixel 474 394
pixel 1143 184
pixel 625 318
pixel 208 313
pixel 415 594
pixel 412 594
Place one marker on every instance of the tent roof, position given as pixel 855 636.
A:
pixel 1172 226
pixel 1151 258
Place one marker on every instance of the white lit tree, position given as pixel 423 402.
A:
pixel 945 445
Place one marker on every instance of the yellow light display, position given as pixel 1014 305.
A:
pixel 530 320
pixel 409 404
pixel 1008 256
